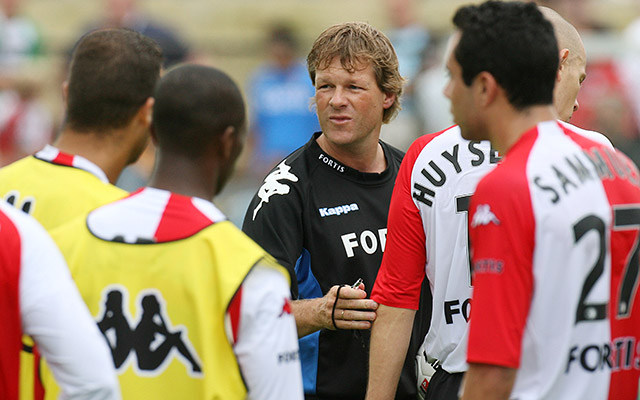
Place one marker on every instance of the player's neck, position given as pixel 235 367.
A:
pixel 184 176
pixel 99 148
pixel 507 130
pixel 366 157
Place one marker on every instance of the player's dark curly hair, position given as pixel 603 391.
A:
pixel 514 43
pixel 112 74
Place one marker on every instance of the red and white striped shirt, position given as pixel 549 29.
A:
pixel 40 299
pixel 554 234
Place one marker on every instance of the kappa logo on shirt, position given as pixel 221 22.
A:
pixel 339 210
pixel 150 337
pixel 26 204
pixel 272 185
pixel 286 308
pixel 484 216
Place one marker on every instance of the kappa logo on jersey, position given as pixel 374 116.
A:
pixel 26 205
pixel 150 337
pixel 484 216
pixel 272 185
pixel 286 308
pixel 339 210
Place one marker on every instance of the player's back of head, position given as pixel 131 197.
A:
pixel 111 75
pixel 514 43
pixel 194 105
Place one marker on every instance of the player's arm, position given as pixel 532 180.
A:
pixel 264 337
pixel 54 314
pixel 488 382
pixel 397 286
pixel 389 342
pixel 502 233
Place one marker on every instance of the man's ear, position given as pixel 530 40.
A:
pixel 486 88
pixel 564 56
pixel 389 99
pixel 145 113
pixel 227 142
pixel 65 92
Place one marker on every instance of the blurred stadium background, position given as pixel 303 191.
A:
pixel 231 34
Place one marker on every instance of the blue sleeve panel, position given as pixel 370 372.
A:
pixel 308 288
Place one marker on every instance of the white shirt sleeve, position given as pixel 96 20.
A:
pixel 54 314
pixel 267 340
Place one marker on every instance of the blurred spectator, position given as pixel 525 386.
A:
pixel 410 40
pixel 609 100
pixel 629 66
pixel 433 108
pixel 25 123
pixel 280 93
pixel 125 14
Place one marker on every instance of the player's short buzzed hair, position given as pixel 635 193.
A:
pixel 111 75
pixel 514 43
pixel 355 43
pixel 194 104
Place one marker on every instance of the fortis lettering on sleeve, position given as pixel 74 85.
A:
pixel 273 186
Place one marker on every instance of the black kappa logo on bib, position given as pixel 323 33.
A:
pixel 151 338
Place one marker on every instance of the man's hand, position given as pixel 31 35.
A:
pixel 353 311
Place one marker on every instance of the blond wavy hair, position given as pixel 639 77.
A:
pixel 358 43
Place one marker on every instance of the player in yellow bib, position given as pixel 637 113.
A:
pixel 190 306
pixel 108 113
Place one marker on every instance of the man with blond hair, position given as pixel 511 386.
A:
pixel 322 211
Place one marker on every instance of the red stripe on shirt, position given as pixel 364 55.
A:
pixel 63 159
pixel 180 219
pixel 234 314
pixel 11 333
pixel 502 256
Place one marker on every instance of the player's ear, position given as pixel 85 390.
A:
pixel 564 56
pixel 227 142
pixel 486 88
pixel 65 92
pixel 144 114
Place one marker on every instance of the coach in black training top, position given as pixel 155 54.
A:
pixel 322 211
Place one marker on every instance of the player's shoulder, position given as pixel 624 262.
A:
pixel 293 171
pixel 442 138
pixel 27 227
pixel 508 178
pixel 591 135
pixel 18 167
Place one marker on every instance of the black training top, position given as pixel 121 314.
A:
pixel 327 223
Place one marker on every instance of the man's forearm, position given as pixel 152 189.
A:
pixel 390 336
pixel 306 313
pixel 488 382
